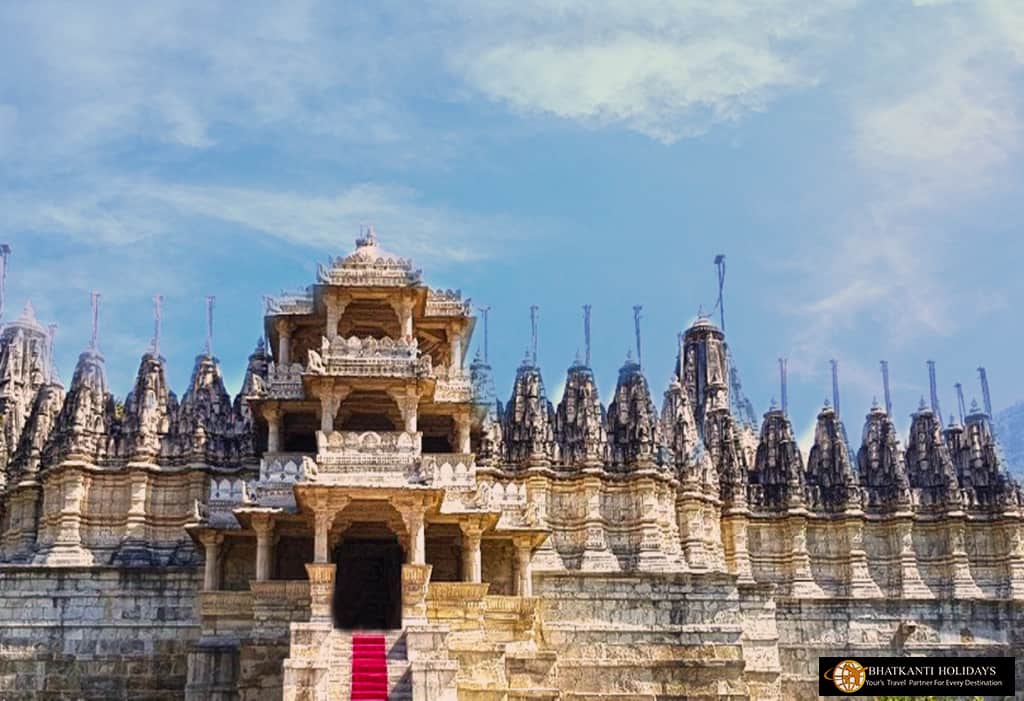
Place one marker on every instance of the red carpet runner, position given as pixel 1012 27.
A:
pixel 369 668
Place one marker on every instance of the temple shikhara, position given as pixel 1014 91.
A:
pixel 366 520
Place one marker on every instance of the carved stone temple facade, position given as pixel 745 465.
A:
pixel 205 547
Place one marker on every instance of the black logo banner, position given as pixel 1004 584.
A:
pixel 916 676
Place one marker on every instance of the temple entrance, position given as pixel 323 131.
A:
pixel 368 584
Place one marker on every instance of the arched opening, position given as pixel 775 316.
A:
pixel 368 579
pixel 438 431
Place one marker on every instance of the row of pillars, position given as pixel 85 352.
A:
pixel 265 541
pixel 406 398
pixel 336 304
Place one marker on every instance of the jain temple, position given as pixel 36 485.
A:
pixel 365 520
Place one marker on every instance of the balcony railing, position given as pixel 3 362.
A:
pixel 449 469
pixel 369 357
pixel 391 454
pixel 283 382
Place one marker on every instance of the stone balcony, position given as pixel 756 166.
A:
pixel 374 457
pixel 283 382
pixel 369 357
pixel 452 385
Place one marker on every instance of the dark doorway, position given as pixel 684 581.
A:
pixel 368 584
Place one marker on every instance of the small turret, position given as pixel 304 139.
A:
pixel 683 447
pixel 929 466
pixel 148 412
pixel 632 421
pixel 24 368
pixel 728 457
pixel 882 470
pixel 831 479
pixel 85 424
pixel 703 369
pixel 245 424
pixel 984 482
pixel 529 419
pixel 777 481
pixel 41 422
pixel 580 420
pixel 205 425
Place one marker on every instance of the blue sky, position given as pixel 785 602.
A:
pixel 858 163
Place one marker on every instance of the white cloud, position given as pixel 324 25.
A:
pixel 665 70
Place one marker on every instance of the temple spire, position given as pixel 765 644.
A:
pixel 210 300
pixel 586 333
pixel 94 299
pixel 534 309
pixel 636 328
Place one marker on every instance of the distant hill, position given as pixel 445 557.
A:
pixel 1010 431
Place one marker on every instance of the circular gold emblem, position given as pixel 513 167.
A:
pixel 848 676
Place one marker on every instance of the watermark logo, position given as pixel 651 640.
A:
pixel 849 676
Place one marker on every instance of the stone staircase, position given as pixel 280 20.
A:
pixel 320 665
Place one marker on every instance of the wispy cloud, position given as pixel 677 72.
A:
pixel 666 70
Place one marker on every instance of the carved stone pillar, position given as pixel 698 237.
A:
pixel 456 350
pixel 321 590
pixel 415 523
pixel 403 310
pixel 911 584
pixel 272 414
pixel 801 575
pixel 135 528
pixel 651 557
pixel 263 525
pixel 524 568
pixel 415 580
pixel 322 521
pixel 407 399
pixel 462 432
pixel 734 541
pixel 862 586
pixel 211 567
pixel 284 346
pixel 1015 558
pixel 471 566
pixel 691 519
pixel 596 555
pixel 964 586
pixel 329 405
pixel 335 305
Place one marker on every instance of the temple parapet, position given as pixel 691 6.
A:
pixel 369 357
